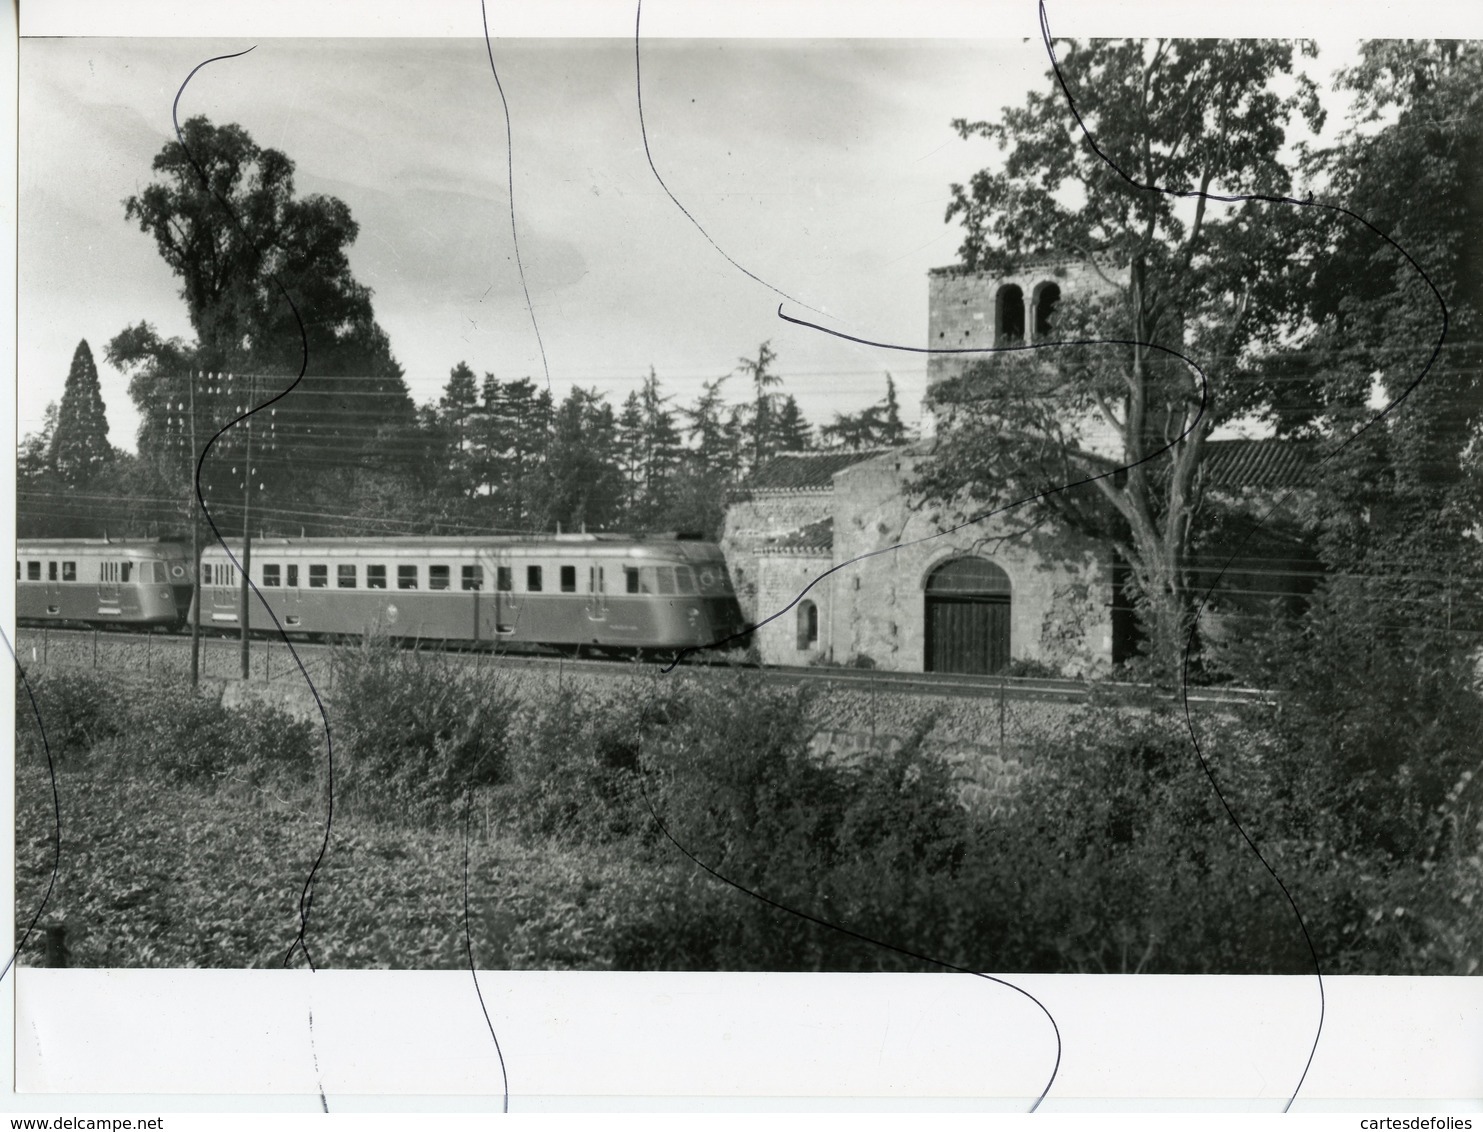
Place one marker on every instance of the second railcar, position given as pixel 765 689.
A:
pixel 608 592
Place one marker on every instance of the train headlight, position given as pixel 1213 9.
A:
pixel 693 616
pixel 165 594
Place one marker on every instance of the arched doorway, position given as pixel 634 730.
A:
pixel 967 617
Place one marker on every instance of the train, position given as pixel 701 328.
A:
pixel 603 594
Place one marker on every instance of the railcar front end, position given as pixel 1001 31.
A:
pixel 136 582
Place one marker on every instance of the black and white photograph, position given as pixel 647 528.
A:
pixel 877 501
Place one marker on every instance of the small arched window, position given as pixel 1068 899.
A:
pixel 1047 295
pixel 1009 314
pixel 808 625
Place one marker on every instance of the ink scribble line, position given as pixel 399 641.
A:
pixel 980 516
pixel 863 938
pixel 644 134
pixel 468 942
pixel 1350 439
pixel 510 179
pixel 971 521
pixel 1205 597
pixel 56 801
pixel 306 895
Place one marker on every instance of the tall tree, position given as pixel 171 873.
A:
pixel 254 261
pixel 457 410
pixel 877 425
pixel 33 460
pixel 584 486
pixel 759 423
pixel 79 446
pixel 1202 279
pixel 793 432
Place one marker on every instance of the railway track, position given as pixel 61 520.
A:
pixel 270 660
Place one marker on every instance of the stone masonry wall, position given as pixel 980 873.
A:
pixel 1060 611
pixel 781 578
pixel 962 308
pixel 751 521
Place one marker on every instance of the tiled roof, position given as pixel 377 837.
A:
pixel 806 471
pixel 1258 463
pixel 814 537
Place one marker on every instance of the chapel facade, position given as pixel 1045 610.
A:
pixel 836 563
pixel 839 565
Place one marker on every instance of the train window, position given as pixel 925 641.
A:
pixel 406 577
pixel 69 571
pixel 504 579
pixel 125 569
pixel 684 580
pixel 291 575
pixel 664 577
pixel 533 579
pixel 630 579
pixel 319 575
pixel 33 571
pixel 345 576
pixel 568 579
pixel 51 571
pixel 437 577
pixel 375 577
pixel 473 577
pixel 272 573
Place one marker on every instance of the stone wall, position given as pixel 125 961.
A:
pixel 753 519
pixel 962 309
pixel 1060 611
pixel 781 578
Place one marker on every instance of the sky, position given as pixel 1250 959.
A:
pixel 820 166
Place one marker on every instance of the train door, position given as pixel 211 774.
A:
pixel 110 588
pixel 224 595
pixel 494 610
pixel 597 595
pixel 53 588
pixel 293 596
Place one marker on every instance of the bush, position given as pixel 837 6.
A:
pixel 172 732
pixel 78 710
pixel 575 754
pixel 867 846
pixel 414 731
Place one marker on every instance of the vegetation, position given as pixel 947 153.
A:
pixel 602 818
pixel 1207 281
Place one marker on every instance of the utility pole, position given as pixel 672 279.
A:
pixel 242 605
pixel 197 591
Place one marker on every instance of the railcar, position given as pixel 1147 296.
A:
pixel 132 582
pixel 600 592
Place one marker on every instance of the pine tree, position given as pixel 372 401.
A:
pixel 762 441
pixel 631 454
pixel 33 460
pixel 80 447
pixel 456 410
pixel 891 432
pixel 794 434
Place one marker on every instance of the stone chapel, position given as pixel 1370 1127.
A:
pixel 883 586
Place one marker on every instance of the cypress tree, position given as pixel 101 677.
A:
pixel 80 447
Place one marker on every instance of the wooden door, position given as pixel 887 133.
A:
pixel 967 635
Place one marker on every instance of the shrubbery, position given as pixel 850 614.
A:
pixel 158 730
pixel 414 731
pixel 1113 852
